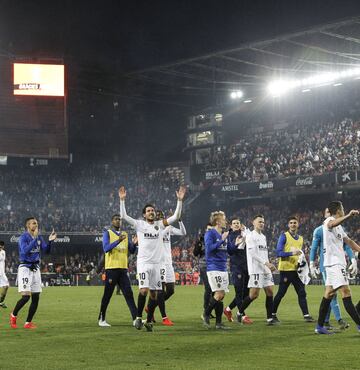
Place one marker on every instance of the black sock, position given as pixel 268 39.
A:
pixel 151 308
pixel 358 308
pixel 141 304
pixel 33 307
pixel 219 308
pixel 245 304
pixel 323 310
pixel 2 298
pixel 20 304
pixel 269 306
pixel 161 303
pixel 211 306
pixel 232 304
pixel 170 290
pixel 351 310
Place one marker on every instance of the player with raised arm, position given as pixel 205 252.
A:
pixel 4 282
pixel 288 250
pixel 317 248
pixel 31 245
pixel 259 267
pixel 334 237
pixel 150 251
pixel 117 246
pixel 167 270
pixel 216 265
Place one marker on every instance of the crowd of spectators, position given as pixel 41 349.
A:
pixel 299 149
pixel 81 198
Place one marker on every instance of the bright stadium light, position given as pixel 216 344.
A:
pixel 280 87
pixel 238 94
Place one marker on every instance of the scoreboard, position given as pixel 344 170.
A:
pixel 38 79
pixel 33 119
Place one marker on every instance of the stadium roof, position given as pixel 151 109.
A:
pixel 328 47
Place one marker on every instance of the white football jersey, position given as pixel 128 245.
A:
pixel 2 262
pixel 333 244
pixel 166 255
pixel 167 232
pixel 150 241
pixel 257 253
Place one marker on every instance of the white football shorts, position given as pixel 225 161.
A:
pixel 336 276
pixel 29 281
pixel 218 280
pixel 260 280
pixel 148 276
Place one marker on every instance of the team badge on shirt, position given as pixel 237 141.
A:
pixel 156 227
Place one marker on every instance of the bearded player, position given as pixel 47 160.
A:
pixel 150 251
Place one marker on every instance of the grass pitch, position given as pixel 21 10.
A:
pixel 68 336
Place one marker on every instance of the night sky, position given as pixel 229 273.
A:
pixel 102 40
pixel 136 34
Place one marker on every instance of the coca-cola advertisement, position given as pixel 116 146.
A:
pixel 244 188
pixel 304 181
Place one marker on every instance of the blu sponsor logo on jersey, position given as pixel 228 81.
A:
pixel 151 236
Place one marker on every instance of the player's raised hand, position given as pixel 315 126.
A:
pixel 134 239
pixel 181 192
pixel 36 232
pixel 353 212
pixel 52 236
pixel 122 193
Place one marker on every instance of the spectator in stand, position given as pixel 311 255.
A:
pixel 300 149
